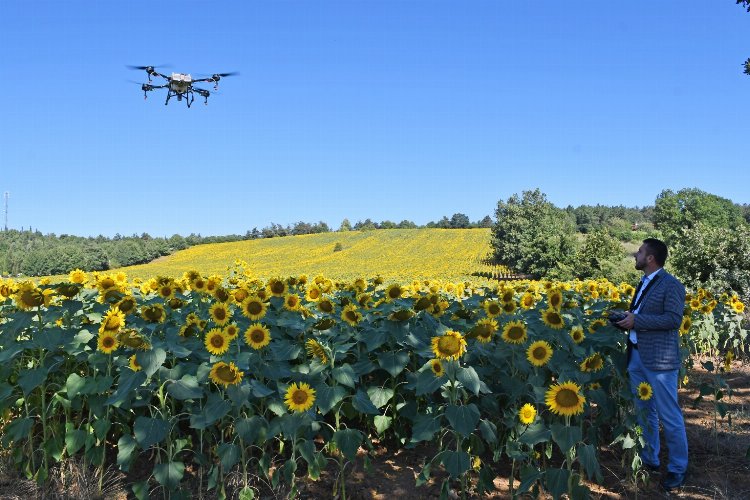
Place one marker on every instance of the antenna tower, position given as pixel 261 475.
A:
pixel 7 195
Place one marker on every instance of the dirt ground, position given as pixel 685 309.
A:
pixel 719 463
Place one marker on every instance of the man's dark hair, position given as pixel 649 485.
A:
pixel 658 249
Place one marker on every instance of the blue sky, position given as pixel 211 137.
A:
pixel 387 110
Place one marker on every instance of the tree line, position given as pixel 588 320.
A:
pixel 708 237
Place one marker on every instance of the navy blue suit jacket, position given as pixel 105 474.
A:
pixel 657 323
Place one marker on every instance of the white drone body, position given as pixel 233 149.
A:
pixel 180 85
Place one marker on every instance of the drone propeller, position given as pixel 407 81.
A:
pixel 150 70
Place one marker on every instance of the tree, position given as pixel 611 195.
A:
pixel 746 64
pixel 485 222
pixel 345 225
pixel 460 221
pixel 716 258
pixel 533 236
pixel 686 208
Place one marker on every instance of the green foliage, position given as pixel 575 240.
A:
pixel 688 207
pixel 533 236
pixel 603 256
pixel 714 257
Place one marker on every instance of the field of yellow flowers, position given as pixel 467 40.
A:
pixel 276 378
pixel 397 255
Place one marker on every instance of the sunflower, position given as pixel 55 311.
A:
pixel 593 363
pixel 165 290
pixel 291 302
pixel 437 367
pixel 393 292
pixel 450 345
pixel 596 324
pixel 401 315
pixel 539 353
pixel 198 284
pixel 492 308
pixel 552 319
pixel 277 287
pixel 351 315
pixel 508 295
pixel 514 332
pixel 360 284
pixel 107 342
pixel 576 333
pixel 695 304
pixel 134 364
pixel 253 307
pixel 316 350
pixel 313 293
pixel 112 321
pixel 77 276
pixel 153 313
pixel 555 299
pixel 299 397
pixel 131 338
pixel 527 414
pixel 509 307
pixel 126 305
pixel 217 342
pixel 29 296
pixel 225 374
pixel 528 300
pixel 240 295
pixel 738 306
pixel 687 322
pixel 422 303
pixel 326 306
pixel 565 399
pixel 644 391
pixel 257 336
pixel 220 313
pixel 485 329
pixel 364 300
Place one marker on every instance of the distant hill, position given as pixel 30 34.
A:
pixel 395 254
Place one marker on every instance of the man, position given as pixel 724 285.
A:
pixel 652 326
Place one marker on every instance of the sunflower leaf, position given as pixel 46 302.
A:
pixel 345 375
pixel 151 360
pixel 125 386
pixel 393 362
pixel 556 481
pixel 251 429
pixel 380 396
pixel 425 426
pixel 456 463
pixel 565 436
pixel 463 419
pixel 348 441
pixel 587 457
pixel 382 423
pixel 169 474
pixel 469 379
pixel 126 447
pixel 149 431
pixel 362 403
pixel 229 454
pixel 215 408
pixel 535 433
pixel 327 397
pixel 185 388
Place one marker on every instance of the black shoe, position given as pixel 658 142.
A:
pixel 651 468
pixel 673 480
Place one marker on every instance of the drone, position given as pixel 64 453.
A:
pixel 179 85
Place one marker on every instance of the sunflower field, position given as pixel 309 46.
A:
pixel 277 379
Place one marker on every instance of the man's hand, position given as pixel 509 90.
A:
pixel 628 322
